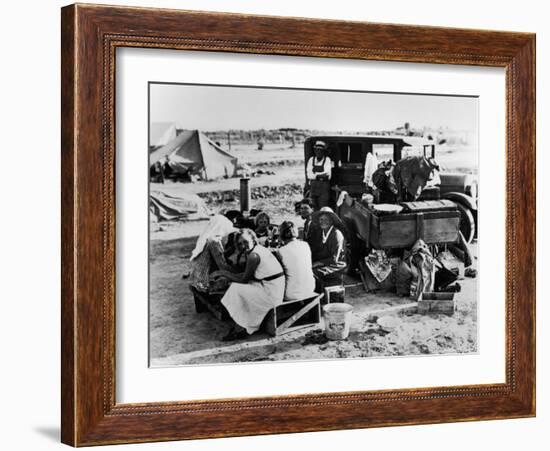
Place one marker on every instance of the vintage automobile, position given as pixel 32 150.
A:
pixel 348 155
pixel 461 188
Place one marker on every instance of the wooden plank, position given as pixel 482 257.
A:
pixel 430 205
pixel 212 303
pixel 441 230
pixel 397 233
pixel 393 309
pixel 437 303
pixel 437 306
pixel 270 322
pixel 179 359
pixel 411 216
pixel 433 230
pixel 280 329
pixel 420 226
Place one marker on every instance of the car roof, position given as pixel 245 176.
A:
pixel 381 139
pixel 368 138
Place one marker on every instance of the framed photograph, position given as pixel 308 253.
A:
pixel 278 225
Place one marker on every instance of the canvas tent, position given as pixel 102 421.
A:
pixel 191 151
pixel 161 133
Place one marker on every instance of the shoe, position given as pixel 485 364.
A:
pixel 235 335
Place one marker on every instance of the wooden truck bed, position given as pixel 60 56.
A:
pixel 402 230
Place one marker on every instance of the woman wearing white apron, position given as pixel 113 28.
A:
pixel 255 291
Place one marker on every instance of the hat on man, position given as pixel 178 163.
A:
pixel 336 221
pixel 320 144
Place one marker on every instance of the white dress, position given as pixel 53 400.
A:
pixel 296 260
pixel 248 303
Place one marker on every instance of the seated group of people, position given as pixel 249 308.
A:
pixel 256 278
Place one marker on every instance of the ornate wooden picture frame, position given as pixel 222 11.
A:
pixel 90 37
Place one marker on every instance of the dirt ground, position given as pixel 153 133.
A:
pixel 179 335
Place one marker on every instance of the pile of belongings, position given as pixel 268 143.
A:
pixel 447 272
pixel 404 180
pixel 411 175
pixel 420 272
pixel 168 207
pixel 386 209
pixel 384 182
pixel 416 272
pixel 377 271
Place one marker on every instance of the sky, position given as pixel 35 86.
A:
pixel 208 107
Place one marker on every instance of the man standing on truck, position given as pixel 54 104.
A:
pixel 319 171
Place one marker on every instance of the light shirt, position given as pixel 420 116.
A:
pixel 371 164
pixel 268 266
pixel 326 235
pixel 296 261
pixel 434 179
pixel 327 168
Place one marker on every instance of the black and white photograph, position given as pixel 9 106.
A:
pixel 290 224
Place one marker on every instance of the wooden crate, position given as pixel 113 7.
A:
pixel 210 302
pixel 335 293
pixel 403 229
pixel 293 315
pixel 437 303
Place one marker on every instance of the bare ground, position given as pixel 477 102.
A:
pixel 179 335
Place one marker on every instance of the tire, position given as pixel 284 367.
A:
pixel 467 223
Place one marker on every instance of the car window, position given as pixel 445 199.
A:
pixel 383 151
pixel 351 152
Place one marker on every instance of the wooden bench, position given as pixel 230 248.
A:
pixel 287 317
pixel 293 315
pixel 210 302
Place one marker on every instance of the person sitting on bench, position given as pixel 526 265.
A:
pixel 295 257
pixel 254 292
pixel 264 230
pixel 329 256
pixel 262 223
pixel 208 254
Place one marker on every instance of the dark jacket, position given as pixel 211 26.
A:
pixel 333 251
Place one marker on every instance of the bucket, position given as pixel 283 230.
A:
pixel 337 320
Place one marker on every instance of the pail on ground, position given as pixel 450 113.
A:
pixel 337 320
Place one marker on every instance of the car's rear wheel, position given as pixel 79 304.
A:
pixel 467 223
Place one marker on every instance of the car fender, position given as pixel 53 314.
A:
pixel 461 198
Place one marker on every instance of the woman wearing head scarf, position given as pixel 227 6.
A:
pixel 329 257
pixel 208 254
pixel 295 257
pixel 255 291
